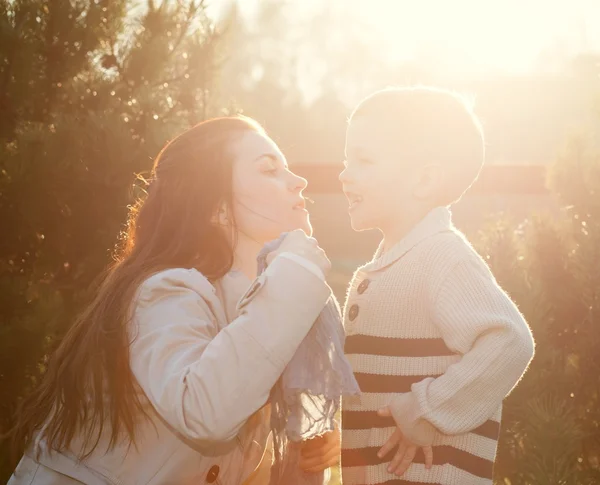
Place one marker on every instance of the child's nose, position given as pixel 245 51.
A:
pixel 344 176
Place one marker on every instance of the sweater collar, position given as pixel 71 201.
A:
pixel 436 221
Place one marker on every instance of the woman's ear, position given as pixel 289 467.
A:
pixel 221 215
pixel 429 182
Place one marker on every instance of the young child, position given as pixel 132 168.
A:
pixel 435 343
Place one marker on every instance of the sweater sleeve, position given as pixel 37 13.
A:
pixel 478 320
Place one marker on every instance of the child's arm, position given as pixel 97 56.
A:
pixel 478 320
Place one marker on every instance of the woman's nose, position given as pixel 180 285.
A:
pixel 298 183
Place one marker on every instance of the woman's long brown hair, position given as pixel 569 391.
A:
pixel 89 389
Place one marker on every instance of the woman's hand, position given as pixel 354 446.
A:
pixel 320 453
pixel 297 242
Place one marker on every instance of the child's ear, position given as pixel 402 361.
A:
pixel 429 182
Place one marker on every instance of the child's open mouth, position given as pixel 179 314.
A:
pixel 353 199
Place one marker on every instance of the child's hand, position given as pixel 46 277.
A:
pixel 320 453
pixel 406 450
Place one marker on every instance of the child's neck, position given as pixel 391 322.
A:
pixel 399 228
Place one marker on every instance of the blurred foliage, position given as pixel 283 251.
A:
pixel 89 91
pixel 551 268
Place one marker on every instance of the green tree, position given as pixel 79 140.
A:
pixel 551 267
pixel 89 91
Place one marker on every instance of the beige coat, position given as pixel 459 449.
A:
pixel 205 360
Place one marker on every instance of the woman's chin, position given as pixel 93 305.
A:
pixel 306 226
pixel 302 224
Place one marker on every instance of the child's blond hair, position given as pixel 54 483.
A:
pixel 434 125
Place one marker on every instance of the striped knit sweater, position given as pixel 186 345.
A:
pixel 431 334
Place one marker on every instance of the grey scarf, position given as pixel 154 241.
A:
pixel 307 396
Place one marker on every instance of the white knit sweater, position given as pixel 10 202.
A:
pixel 431 334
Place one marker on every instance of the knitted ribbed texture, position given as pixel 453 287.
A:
pixel 432 335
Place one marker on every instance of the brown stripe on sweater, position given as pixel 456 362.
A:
pixel 366 420
pixel 370 419
pixel 442 455
pixel 396 347
pixel 386 384
pixel 399 481
pixel 490 429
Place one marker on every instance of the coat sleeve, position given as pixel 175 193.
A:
pixel 206 383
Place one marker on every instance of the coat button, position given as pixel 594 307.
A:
pixel 212 474
pixel 363 286
pixel 353 313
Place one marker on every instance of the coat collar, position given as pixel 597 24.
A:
pixel 230 289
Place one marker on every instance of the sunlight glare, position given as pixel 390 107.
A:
pixel 480 34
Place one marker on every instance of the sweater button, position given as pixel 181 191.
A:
pixel 212 474
pixel 353 313
pixel 363 286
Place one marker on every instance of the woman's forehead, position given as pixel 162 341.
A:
pixel 252 145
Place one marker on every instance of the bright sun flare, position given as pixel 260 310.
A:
pixel 481 34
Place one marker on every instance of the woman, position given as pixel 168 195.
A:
pixel 165 377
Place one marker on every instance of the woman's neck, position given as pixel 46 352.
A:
pixel 244 258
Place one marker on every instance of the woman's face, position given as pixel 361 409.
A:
pixel 267 196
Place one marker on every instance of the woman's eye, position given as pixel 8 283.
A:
pixel 364 161
pixel 270 169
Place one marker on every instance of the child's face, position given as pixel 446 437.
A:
pixel 377 182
